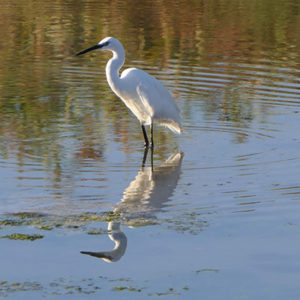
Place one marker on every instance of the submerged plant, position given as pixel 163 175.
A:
pixel 23 237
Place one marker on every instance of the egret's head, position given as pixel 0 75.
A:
pixel 108 43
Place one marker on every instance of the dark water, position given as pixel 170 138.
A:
pixel 216 218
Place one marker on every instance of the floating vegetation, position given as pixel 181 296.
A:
pixel 23 237
pixel 140 222
pixel 6 287
pixel 57 287
pixel 111 216
pixel 49 222
pixel 86 286
pixel 45 227
pixel 97 231
pixel 24 215
pixel 187 222
pixel 126 288
pixel 191 223
pixel 11 222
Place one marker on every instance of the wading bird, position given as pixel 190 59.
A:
pixel 144 95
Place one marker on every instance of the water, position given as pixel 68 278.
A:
pixel 217 217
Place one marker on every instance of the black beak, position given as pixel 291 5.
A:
pixel 97 254
pixel 90 49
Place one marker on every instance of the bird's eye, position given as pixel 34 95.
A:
pixel 106 44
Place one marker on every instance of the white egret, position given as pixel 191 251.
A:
pixel 144 95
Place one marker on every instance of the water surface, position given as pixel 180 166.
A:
pixel 217 215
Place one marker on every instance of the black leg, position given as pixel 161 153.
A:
pixel 145 136
pixel 145 157
pixel 151 130
pixel 152 159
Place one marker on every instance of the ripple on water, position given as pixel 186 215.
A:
pixel 263 80
pixel 239 174
pixel 247 142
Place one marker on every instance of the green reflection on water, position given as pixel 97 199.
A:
pixel 44 96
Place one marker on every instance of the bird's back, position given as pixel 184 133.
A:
pixel 149 100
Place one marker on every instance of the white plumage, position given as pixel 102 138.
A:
pixel 144 95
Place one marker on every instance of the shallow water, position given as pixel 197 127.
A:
pixel 216 218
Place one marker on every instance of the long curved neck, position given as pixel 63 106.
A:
pixel 112 70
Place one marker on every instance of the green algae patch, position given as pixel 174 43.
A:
pixel 141 222
pixel 111 216
pixel 96 232
pixel 126 288
pixel 7 288
pixel 44 222
pixel 11 222
pixel 24 215
pixel 188 222
pixel 45 227
pixel 94 217
pixel 23 237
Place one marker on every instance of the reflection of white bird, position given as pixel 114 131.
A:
pixel 144 95
pixel 150 189
pixel 144 197
pixel 116 235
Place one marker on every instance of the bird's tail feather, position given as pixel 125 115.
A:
pixel 173 126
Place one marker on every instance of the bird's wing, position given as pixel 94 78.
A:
pixel 144 92
pixel 158 100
